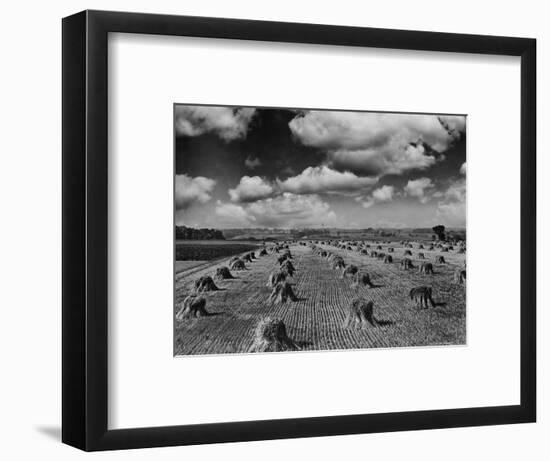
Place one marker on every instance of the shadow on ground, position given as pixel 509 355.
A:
pixel 53 432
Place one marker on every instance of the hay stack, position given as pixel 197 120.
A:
pixel 192 307
pixel 271 336
pixel 373 254
pixel 275 278
pixel 406 264
pixel 360 314
pixel 288 268
pixel 222 273
pixel 390 250
pixel 247 258
pixel 408 253
pixel 460 276
pixel 350 270
pixel 238 265
pixel 422 296
pixel 421 256
pixel 205 283
pixel 361 279
pixel 263 252
pixel 388 259
pixel 338 263
pixel 282 259
pixel 440 260
pixel 282 292
pixel 426 268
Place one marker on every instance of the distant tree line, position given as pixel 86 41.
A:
pixel 189 233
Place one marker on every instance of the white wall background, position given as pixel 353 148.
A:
pixel 30 240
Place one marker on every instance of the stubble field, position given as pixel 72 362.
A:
pixel 315 320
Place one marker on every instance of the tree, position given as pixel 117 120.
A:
pixel 188 233
pixel 439 231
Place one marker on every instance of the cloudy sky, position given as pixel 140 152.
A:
pixel 247 167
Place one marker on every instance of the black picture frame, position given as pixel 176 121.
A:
pixel 85 224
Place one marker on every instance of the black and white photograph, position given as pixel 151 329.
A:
pixel 311 229
pixel 325 219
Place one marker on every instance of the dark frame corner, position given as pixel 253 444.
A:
pixel 84 209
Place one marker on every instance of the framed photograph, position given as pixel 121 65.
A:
pixel 267 229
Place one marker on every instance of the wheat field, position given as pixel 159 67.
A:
pixel 315 320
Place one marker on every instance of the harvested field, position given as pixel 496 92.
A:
pixel 323 299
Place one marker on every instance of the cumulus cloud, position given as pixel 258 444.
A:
pixel 361 130
pixel 313 180
pixel 285 210
pixel 452 209
pixel 456 191
pixel 375 143
pixel 192 190
pixel 463 169
pixel 291 209
pixel 380 195
pixel 321 179
pixel 418 188
pixel 233 214
pixel 251 188
pixel 394 159
pixel 383 194
pixel 252 163
pixel 227 122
